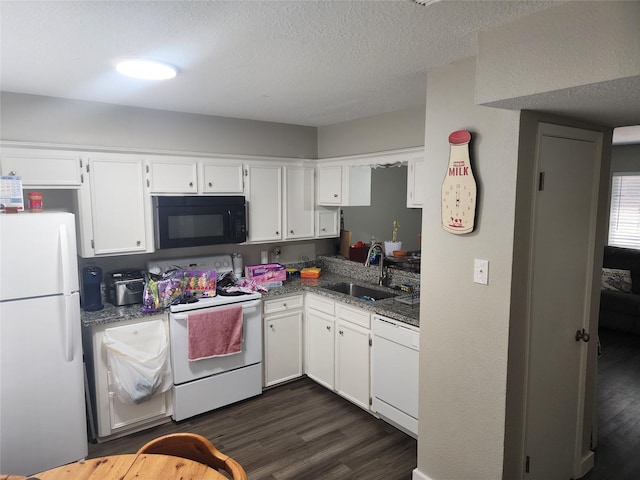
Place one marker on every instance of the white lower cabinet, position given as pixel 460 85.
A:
pixel 282 339
pixel 339 348
pixel 320 348
pixel 111 417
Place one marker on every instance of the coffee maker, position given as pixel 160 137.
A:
pixel 90 289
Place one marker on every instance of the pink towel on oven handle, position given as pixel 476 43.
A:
pixel 214 333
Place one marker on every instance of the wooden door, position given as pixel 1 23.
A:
pixel 565 212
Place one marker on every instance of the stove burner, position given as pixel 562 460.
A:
pixel 224 293
pixel 184 300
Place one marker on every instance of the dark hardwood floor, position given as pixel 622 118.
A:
pixel 617 455
pixel 298 430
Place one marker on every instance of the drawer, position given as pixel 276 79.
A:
pixel 354 315
pixel 321 304
pixel 282 304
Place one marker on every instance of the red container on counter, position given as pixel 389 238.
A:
pixel 35 201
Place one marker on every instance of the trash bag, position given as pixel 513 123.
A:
pixel 138 357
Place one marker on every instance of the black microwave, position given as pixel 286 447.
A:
pixel 192 221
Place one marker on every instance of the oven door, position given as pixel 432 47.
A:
pixel 187 371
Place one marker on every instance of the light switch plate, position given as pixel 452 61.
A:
pixel 481 271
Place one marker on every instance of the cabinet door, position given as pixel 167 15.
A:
pixel 265 203
pixel 42 168
pixel 118 204
pixel 283 347
pixel 224 177
pixel 320 348
pixel 415 183
pixel 173 175
pixel 330 185
pixel 299 202
pixel 353 362
pixel 112 416
pixel 327 222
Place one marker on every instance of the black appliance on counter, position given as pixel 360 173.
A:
pixel 124 287
pixel 90 290
pixel 192 221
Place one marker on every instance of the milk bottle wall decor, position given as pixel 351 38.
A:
pixel 459 187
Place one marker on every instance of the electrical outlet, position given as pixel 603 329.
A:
pixel 481 271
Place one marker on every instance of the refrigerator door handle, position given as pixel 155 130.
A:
pixel 64 258
pixel 69 321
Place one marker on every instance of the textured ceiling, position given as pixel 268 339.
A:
pixel 301 62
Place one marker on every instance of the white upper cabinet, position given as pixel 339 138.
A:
pixel 299 195
pixel 415 183
pixel 330 185
pixel 42 168
pixel 221 176
pixel 114 213
pixel 173 175
pixel 342 185
pixel 190 176
pixel 327 221
pixel 264 199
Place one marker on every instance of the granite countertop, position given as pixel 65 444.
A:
pixel 388 307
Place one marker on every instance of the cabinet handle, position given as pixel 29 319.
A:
pixel 335 195
pixel 210 184
pixel 329 327
pixel 324 229
pixel 12 173
pixel 277 233
pixel 291 232
pixel 341 332
pixel 191 184
pixel 271 326
pixel 284 305
pixel 138 243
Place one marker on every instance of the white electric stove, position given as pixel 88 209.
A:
pixel 204 385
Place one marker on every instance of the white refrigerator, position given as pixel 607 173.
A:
pixel 42 408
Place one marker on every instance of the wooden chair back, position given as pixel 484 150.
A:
pixel 194 447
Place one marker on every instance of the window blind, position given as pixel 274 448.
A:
pixel 624 217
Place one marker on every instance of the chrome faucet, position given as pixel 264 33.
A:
pixel 382 277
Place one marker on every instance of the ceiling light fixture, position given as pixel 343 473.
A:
pixel 146 69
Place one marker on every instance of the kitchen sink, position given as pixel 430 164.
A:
pixel 364 293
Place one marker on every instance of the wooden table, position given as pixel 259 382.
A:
pixel 129 467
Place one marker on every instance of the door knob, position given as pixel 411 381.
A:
pixel 582 335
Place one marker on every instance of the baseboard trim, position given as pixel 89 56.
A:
pixel 585 464
pixel 418 475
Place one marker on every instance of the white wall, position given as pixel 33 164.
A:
pixel 388 131
pixel 465 326
pixel 33 118
pixel 574 44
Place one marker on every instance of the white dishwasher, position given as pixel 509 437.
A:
pixel 395 373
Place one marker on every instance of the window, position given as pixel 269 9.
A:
pixel 624 217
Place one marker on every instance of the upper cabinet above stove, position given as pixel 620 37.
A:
pixel 189 176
